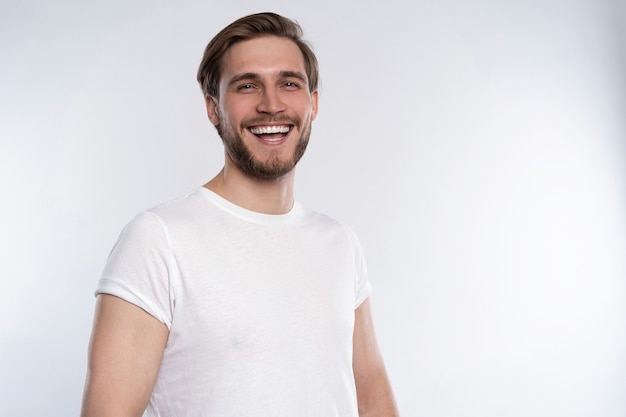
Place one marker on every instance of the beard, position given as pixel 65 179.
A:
pixel 272 169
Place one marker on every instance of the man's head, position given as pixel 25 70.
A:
pixel 260 84
pixel 250 27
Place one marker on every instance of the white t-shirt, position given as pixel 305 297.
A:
pixel 260 308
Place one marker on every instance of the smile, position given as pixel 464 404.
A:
pixel 270 130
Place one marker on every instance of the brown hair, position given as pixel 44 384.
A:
pixel 250 27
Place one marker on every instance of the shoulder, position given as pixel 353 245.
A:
pixel 328 223
pixel 179 207
pixel 155 222
pixel 182 212
pixel 315 218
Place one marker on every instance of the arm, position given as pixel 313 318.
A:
pixel 374 395
pixel 125 353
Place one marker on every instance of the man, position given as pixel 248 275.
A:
pixel 234 300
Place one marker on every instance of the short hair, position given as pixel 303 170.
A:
pixel 250 27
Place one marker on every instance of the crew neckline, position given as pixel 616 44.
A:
pixel 250 215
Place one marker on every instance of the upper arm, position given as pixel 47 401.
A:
pixel 374 394
pixel 125 353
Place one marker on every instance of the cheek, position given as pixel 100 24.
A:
pixel 310 110
pixel 235 113
pixel 310 115
pixel 304 110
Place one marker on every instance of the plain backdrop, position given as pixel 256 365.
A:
pixel 478 148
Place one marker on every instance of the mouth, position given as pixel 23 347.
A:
pixel 270 133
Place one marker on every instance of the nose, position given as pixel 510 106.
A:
pixel 270 102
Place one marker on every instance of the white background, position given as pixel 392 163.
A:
pixel 477 147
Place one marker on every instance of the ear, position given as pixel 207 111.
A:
pixel 212 110
pixel 314 101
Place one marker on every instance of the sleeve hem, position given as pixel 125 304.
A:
pixel 364 293
pixel 120 290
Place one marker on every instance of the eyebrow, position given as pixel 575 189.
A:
pixel 243 76
pixel 293 74
pixel 252 76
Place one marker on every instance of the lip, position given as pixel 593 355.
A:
pixel 270 134
pixel 270 129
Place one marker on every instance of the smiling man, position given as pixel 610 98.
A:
pixel 234 300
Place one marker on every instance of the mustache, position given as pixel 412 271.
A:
pixel 273 119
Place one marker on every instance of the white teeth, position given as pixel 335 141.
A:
pixel 268 130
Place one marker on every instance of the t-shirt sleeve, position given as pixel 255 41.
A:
pixel 140 267
pixel 362 286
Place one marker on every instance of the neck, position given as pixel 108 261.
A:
pixel 263 196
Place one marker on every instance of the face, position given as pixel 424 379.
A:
pixel 264 111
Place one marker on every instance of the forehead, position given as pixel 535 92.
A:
pixel 264 56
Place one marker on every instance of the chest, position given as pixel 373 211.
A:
pixel 253 290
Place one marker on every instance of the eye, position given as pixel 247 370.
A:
pixel 245 87
pixel 291 85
